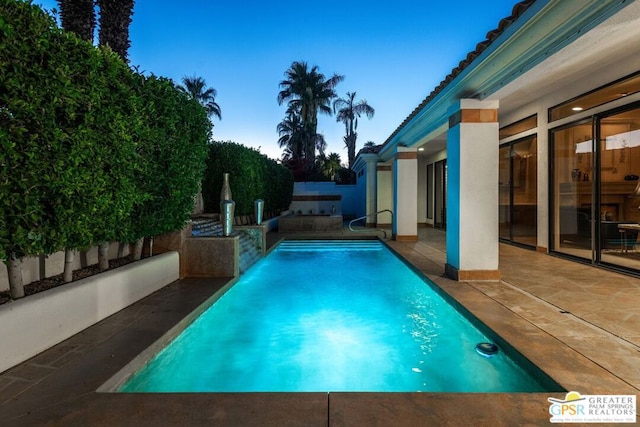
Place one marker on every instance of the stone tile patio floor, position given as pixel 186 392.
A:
pixel 580 324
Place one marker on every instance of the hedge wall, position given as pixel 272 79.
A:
pixel 173 143
pixel 90 151
pixel 31 85
pixel 252 176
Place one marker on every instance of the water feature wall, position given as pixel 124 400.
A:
pixel 249 253
pixel 251 240
pixel 347 205
pixel 296 223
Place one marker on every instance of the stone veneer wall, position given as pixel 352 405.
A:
pixel 211 257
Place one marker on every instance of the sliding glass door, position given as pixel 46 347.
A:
pixel 596 196
pixel 518 191
pixel 619 195
pixel 572 190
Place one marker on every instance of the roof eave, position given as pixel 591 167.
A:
pixel 545 27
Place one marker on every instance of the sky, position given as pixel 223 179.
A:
pixel 392 54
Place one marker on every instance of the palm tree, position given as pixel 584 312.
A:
pixel 290 131
pixel 369 144
pixel 332 165
pixel 115 18
pixel 348 111
pixel 308 92
pixel 78 16
pixel 197 89
pixel 294 137
pixel 319 143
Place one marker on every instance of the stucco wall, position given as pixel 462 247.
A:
pixel 384 195
pixel 35 323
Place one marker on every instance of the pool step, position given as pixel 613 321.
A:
pixel 206 228
pixel 333 245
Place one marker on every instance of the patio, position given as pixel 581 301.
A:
pixel 579 324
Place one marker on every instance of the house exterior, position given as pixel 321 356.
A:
pixel 534 139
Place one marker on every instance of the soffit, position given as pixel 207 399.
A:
pixel 535 32
pixel 593 59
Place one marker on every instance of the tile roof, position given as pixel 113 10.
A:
pixel 367 150
pixel 518 9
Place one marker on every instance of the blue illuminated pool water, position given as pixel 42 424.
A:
pixel 330 316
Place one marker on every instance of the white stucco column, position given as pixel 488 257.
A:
pixel 472 191
pixel 405 192
pixel 371 161
pixel 542 218
pixel 384 197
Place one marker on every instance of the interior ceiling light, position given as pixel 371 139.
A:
pixel 577 109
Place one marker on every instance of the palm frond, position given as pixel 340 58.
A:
pixel 196 88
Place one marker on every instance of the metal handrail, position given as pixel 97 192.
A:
pixel 372 214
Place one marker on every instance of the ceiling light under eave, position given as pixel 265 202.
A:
pixel 577 109
pixel 421 149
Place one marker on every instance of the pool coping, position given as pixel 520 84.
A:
pixel 569 368
pixel 113 384
pixel 67 396
pixel 520 359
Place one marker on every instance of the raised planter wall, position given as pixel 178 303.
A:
pixel 38 322
pixel 37 268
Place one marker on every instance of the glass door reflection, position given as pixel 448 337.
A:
pixel 619 219
pixel 518 191
pixel 572 190
pixel 596 191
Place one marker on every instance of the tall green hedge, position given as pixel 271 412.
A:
pixel 90 151
pixel 30 103
pixel 252 176
pixel 173 142
pixel 93 190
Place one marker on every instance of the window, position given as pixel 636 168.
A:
pixel 520 126
pixel 616 90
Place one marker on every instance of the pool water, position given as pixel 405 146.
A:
pixel 330 316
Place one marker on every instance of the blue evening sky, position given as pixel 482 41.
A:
pixel 393 54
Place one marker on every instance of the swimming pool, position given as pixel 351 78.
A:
pixel 331 316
